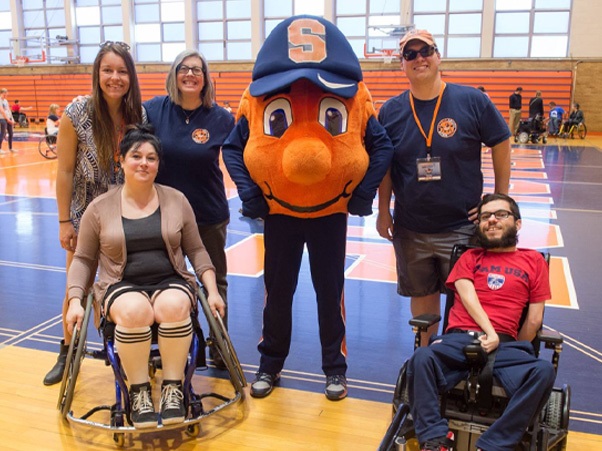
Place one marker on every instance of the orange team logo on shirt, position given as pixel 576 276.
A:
pixel 200 136
pixel 447 127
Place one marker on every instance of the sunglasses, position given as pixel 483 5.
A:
pixel 425 52
pixel 114 43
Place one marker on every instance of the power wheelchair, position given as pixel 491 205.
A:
pixel 532 129
pixel 120 423
pixel 476 402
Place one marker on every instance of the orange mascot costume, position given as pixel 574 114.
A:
pixel 306 151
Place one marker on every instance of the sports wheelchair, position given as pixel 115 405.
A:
pixel 532 129
pixel 476 402
pixel 20 119
pixel 569 128
pixel 47 145
pixel 120 410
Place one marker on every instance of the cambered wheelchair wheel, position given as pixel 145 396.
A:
pixel 47 147
pixel 220 338
pixel 582 130
pixel 75 355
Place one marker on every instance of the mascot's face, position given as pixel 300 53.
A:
pixel 305 148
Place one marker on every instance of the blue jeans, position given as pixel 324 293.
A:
pixel 526 379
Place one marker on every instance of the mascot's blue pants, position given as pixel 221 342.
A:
pixel 285 237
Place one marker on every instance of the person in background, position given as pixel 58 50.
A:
pixel 575 117
pixel 483 90
pixel 515 104
pixel 437 129
pixel 88 152
pixel 536 106
pixel 555 119
pixel 490 312
pixel 52 120
pixel 18 115
pixel 192 129
pixel 6 122
pixel 227 107
pixel 139 235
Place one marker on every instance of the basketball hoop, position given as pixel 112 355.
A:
pixel 21 61
pixel 388 55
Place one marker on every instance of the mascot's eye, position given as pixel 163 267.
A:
pixel 277 118
pixel 333 116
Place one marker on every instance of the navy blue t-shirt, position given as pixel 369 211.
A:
pixel 466 119
pixel 191 154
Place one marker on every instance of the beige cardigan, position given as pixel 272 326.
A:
pixel 101 240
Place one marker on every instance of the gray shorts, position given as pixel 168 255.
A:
pixel 423 259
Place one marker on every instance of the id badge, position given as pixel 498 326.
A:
pixel 429 169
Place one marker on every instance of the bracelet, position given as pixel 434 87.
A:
pixel 66 220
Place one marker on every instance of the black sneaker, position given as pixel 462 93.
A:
pixel 263 384
pixel 439 444
pixel 173 410
pixel 336 387
pixel 142 413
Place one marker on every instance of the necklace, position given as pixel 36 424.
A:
pixel 189 115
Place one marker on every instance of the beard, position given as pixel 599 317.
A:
pixel 508 239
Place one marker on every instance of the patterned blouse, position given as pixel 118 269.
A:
pixel 89 179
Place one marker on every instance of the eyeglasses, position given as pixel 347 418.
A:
pixel 425 52
pixel 115 43
pixel 499 215
pixel 196 70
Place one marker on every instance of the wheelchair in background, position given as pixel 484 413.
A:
pixel 533 129
pixel 463 405
pixel 20 119
pixel 569 129
pixel 47 145
pixel 120 423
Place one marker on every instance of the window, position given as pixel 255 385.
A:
pixel 159 30
pixel 224 29
pixel 97 21
pixel 531 28
pixel 457 25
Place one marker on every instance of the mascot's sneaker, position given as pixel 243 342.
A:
pixel 336 387
pixel 263 384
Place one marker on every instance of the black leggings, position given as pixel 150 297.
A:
pixel 5 127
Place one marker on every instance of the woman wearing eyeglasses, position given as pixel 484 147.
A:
pixel 437 129
pixel 192 128
pixel 88 151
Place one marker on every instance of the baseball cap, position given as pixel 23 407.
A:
pixel 308 47
pixel 420 35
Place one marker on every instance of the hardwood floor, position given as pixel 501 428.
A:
pixel 287 419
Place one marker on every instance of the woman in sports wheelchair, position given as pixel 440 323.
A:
pixel 496 288
pixel 139 235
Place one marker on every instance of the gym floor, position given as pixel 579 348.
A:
pixel 559 189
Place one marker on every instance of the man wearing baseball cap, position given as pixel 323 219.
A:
pixel 437 129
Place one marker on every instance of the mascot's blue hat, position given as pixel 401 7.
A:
pixel 307 47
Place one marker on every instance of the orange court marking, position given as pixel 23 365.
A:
pixel 245 258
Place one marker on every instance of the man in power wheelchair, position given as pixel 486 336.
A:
pixel 532 129
pixel 447 388
pixel 139 235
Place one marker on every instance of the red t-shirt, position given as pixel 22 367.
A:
pixel 15 108
pixel 505 283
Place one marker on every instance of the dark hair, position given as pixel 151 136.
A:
pixel 138 134
pixel 576 105
pixel 481 88
pixel 498 196
pixel 105 134
pixel 519 89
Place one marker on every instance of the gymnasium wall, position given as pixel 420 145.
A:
pixel 559 80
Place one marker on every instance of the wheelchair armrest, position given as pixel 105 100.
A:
pixel 550 337
pixel 425 321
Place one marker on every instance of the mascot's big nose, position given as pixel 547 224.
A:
pixel 306 161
